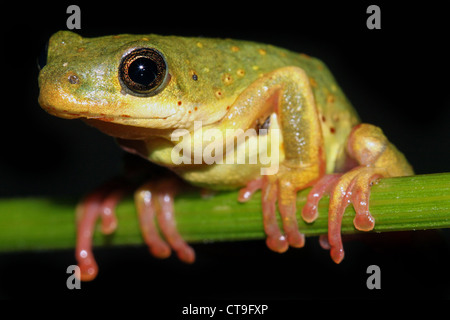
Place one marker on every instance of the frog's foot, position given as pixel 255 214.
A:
pixel 100 203
pixel 154 202
pixel 275 189
pixel 351 187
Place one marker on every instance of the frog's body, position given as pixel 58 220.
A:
pixel 225 84
pixel 223 69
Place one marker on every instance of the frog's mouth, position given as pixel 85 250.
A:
pixel 101 112
pixel 119 119
pixel 118 126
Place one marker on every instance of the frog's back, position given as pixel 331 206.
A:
pixel 232 64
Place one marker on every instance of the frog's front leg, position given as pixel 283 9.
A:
pixel 287 92
pixel 154 204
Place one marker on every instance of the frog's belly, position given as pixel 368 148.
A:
pixel 254 156
pixel 219 176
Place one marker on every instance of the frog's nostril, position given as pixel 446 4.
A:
pixel 73 79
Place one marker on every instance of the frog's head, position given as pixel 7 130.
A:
pixel 125 85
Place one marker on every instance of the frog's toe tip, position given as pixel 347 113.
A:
pixel 309 213
pixel 364 222
pixel 337 254
pixel 160 250
pixel 87 272
pixel 277 244
pixel 186 254
pixel 296 239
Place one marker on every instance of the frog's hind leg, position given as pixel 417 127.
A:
pixel 99 204
pixel 154 203
pixel 288 93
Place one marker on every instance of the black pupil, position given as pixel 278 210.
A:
pixel 143 71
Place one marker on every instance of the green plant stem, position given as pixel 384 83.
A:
pixel 404 203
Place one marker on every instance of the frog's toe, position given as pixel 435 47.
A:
pixel 287 209
pixel 363 220
pixel 100 203
pixel 87 212
pixel 320 188
pixel 166 220
pixel 283 191
pixel 323 242
pixel 275 189
pixel 247 192
pixel 154 202
pixel 276 241
pixel 353 187
pixel 146 207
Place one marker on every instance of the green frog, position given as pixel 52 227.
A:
pixel 199 106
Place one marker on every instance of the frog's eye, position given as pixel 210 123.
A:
pixel 143 72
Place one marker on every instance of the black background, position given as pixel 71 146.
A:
pixel 397 78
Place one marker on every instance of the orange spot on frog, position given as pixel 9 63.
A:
pixel 227 79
